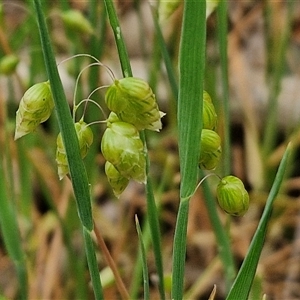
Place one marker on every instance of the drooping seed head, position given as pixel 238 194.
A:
pixel 115 179
pixel 133 101
pixel 35 107
pixel 85 139
pixel 167 8
pixel 8 64
pixel 121 145
pixel 210 149
pixel 232 196
pixel 209 115
pixel 76 21
pixel 206 97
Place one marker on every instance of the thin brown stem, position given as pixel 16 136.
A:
pixel 110 262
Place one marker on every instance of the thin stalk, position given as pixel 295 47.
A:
pixel 96 48
pixel 161 46
pixel 167 170
pixel 144 260
pixel 190 106
pixel 138 268
pixel 97 41
pixel 121 287
pixel 152 213
pixel 222 37
pixel 122 50
pixel 165 55
pixel 279 64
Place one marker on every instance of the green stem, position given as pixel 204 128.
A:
pixel 122 50
pixel 277 73
pixel 92 263
pixel 222 37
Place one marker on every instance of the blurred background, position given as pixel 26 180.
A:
pixel 263 44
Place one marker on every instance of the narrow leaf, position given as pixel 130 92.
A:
pixel 144 260
pixel 243 282
pixel 190 106
pixel 77 170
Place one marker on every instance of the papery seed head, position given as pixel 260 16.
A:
pixel 167 8
pixel 35 107
pixel 133 101
pixel 85 139
pixel 210 117
pixel 121 145
pixel 115 179
pixel 232 196
pixel 8 64
pixel 210 149
pixel 112 118
pixel 206 97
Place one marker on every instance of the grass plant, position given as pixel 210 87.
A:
pixel 40 216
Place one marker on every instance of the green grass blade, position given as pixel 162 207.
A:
pixel 11 234
pixel 76 166
pixel 138 269
pixel 190 105
pixel 144 261
pixel 77 170
pixel 151 206
pixel 92 262
pixel 242 284
pixel 179 251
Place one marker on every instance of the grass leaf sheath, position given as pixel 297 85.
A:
pixel 190 105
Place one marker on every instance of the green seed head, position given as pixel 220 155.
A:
pixel 115 179
pixel 35 107
pixel 121 145
pixel 211 150
pixel 8 64
pixel 76 21
pixel 167 8
pixel 210 117
pixel 232 196
pixel 206 97
pixel 133 101
pixel 85 139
